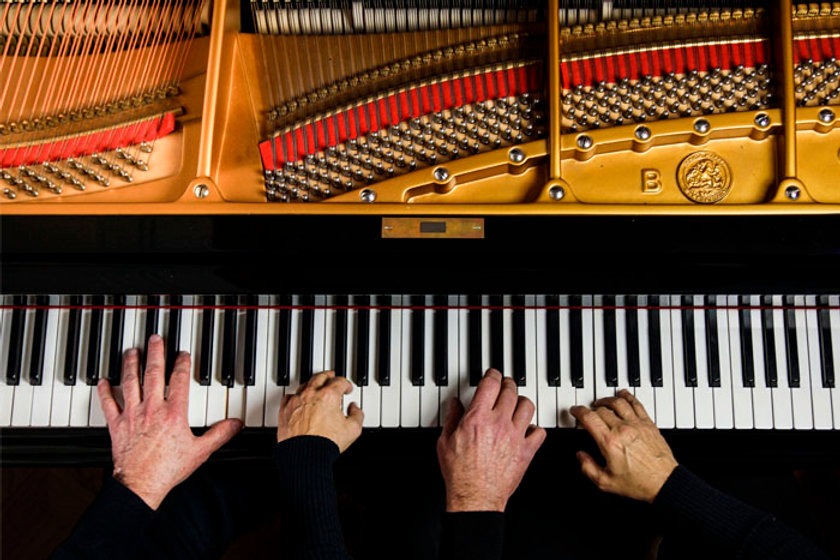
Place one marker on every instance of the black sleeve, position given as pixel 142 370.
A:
pixel 110 528
pixel 472 535
pixel 713 519
pixel 308 500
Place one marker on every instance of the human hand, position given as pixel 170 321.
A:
pixel 638 460
pixel 153 447
pixel 484 451
pixel 315 410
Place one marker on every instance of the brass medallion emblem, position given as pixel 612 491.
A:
pixel 704 177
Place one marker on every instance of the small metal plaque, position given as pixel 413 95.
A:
pixel 442 228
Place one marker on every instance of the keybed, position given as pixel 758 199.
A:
pixel 696 361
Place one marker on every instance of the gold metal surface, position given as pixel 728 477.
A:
pixel 432 228
pixel 745 161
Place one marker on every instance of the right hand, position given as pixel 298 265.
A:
pixel 485 451
pixel 315 410
pixel 638 460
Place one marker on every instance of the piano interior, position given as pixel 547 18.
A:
pixel 285 156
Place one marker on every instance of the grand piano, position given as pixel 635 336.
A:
pixel 586 195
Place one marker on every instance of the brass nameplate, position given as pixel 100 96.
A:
pixel 443 228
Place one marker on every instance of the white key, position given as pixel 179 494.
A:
pixel 7 392
pixel 372 392
pixel 216 391
pixel 80 395
pixel 704 406
pixel 237 394
pixel 530 388
pixel 820 397
pixel 22 404
pixel 621 344
pixel 741 394
pixel 409 394
pixel 465 390
pixel 724 413
pixel 42 394
pixel 97 416
pixel 319 317
pixel 429 392
pixel 803 416
pixel 350 357
pixel 507 337
pixel 566 392
pixel 664 396
pixel 486 335
pixel 586 394
pixel 294 347
pixel 130 313
pixel 255 394
pixel 644 392
pixel 450 390
pixel 390 395
pixel 781 394
pixel 834 316
pixel 599 350
pixel 762 399
pixel 198 392
pixel 268 347
pixel 683 393
pixel 329 334
pixel 61 394
pixel 546 394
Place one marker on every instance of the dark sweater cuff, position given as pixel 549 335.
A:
pixel 472 535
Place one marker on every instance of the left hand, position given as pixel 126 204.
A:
pixel 153 447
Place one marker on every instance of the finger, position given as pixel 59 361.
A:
pixel 154 378
pixel 219 434
pixel 524 413
pixel 454 412
pixel 590 422
pixel 487 390
pixel 179 381
pixel 110 408
pixel 534 437
pixel 284 402
pixel 592 469
pixel 608 416
pixel 339 385
pixel 507 399
pixel 316 381
pixel 635 403
pixel 131 378
pixel 620 406
pixel 355 414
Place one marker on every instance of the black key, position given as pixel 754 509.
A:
pixel 552 336
pixel 284 341
pixel 790 343
pixel 16 337
pixel 712 343
pixel 576 340
pixel 689 351
pixel 745 325
pixel 152 317
pixel 39 338
pixel 518 326
pixel 383 356
pixel 769 339
pixel 340 336
pixel 655 342
pixel 307 338
pixel 115 353
pixel 474 325
pixel 441 341
pixel 249 366
pixel 610 352
pixel 631 322
pixel 94 341
pixel 362 351
pixel 497 334
pixel 71 345
pixel 173 333
pixel 230 334
pixel 826 352
pixel 418 338
pixel 208 326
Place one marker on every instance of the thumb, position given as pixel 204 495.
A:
pixel 592 470
pixel 355 413
pixel 219 434
pixel 454 411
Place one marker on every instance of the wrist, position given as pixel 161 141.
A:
pixel 659 482
pixel 458 503
pixel 150 495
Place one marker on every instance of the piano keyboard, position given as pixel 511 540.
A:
pixel 695 361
